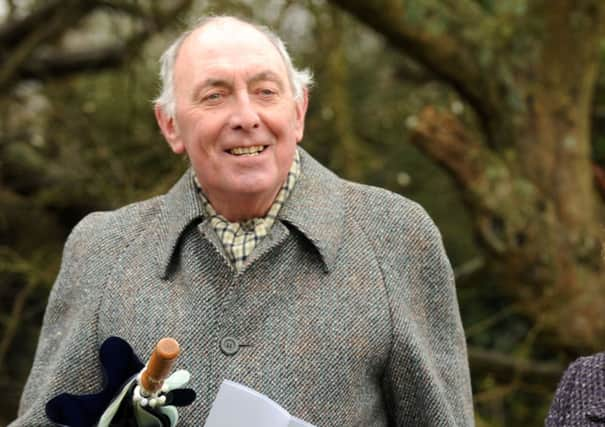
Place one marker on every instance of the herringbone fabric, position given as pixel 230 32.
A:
pixel 346 312
pixel 580 397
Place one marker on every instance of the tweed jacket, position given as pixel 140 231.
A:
pixel 345 314
pixel 580 397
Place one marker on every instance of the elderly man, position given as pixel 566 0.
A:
pixel 332 298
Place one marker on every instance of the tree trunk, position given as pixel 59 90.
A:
pixel 524 168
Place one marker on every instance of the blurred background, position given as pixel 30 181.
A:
pixel 489 113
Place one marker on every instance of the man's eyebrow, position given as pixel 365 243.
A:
pixel 267 75
pixel 210 82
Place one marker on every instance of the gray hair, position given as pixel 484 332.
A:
pixel 299 79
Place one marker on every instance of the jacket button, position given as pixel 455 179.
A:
pixel 229 346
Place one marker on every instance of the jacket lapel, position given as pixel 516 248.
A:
pixel 316 208
pixel 181 207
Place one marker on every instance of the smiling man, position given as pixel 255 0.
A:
pixel 235 116
pixel 335 299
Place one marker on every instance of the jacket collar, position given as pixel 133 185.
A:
pixel 315 207
pixel 181 208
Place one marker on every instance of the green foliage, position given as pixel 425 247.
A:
pixel 514 7
pixel 90 142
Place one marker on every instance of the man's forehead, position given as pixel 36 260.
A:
pixel 230 33
pixel 261 76
pixel 226 45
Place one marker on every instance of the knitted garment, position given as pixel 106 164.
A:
pixel 240 238
pixel 345 314
pixel 580 397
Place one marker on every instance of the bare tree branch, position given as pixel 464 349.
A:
pixel 57 22
pixel 506 367
pixel 13 32
pixel 132 9
pixel 162 18
pixel 411 71
pixel 451 55
pixel 504 205
pixel 66 63
pixel 24 64
pixel 12 262
pixel 443 137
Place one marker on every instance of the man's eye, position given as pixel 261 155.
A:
pixel 215 96
pixel 267 92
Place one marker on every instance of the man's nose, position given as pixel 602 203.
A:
pixel 245 116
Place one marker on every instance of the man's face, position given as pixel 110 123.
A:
pixel 235 116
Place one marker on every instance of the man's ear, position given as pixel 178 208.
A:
pixel 170 130
pixel 301 112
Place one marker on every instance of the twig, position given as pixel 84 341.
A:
pixel 505 367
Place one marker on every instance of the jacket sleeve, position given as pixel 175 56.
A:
pixel 427 380
pixel 66 358
pixel 560 410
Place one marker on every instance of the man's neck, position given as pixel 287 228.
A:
pixel 238 208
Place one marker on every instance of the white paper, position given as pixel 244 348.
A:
pixel 297 422
pixel 236 405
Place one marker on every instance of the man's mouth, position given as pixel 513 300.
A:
pixel 255 150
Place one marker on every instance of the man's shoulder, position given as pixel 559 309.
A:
pixel 589 366
pixel 579 392
pixel 116 225
pixel 372 207
pixel 381 207
pixel 584 375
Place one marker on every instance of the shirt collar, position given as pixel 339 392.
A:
pixel 315 207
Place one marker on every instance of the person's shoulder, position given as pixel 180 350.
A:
pixel 584 372
pixel 361 199
pixel 588 365
pixel 385 208
pixel 116 225
pixel 582 382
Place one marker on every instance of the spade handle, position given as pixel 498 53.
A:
pixel 160 363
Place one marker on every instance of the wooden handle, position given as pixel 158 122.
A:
pixel 159 365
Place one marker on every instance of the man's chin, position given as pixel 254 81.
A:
pixel 252 189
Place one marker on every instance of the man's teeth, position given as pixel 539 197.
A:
pixel 247 151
